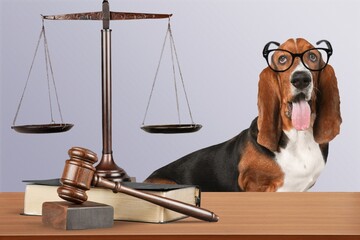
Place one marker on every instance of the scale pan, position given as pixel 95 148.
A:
pixel 43 128
pixel 172 128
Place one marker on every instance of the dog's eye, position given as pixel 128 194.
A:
pixel 282 59
pixel 312 57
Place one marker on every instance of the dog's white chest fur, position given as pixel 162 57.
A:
pixel 301 161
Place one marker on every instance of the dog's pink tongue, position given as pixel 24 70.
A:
pixel 300 116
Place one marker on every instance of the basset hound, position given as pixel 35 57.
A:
pixel 286 146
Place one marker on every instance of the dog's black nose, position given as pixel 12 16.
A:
pixel 300 79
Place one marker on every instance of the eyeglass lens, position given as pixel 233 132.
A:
pixel 313 59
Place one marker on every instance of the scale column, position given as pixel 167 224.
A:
pixel 107 167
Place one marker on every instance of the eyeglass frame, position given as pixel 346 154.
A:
pixel 266 51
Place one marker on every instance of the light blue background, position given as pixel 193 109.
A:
pixel 219 45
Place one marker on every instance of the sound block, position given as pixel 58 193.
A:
pixel 70 216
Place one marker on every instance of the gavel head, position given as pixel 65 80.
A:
pixel 77 175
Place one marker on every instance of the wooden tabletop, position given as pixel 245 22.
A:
pixel 242 216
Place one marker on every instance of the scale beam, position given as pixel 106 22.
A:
pixel 100 16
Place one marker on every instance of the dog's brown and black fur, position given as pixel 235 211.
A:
pixel 264 156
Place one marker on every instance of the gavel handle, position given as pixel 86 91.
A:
pixel 168 203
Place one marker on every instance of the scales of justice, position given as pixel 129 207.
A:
pixel 107 167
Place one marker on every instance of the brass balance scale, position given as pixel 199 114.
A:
pixel 107 167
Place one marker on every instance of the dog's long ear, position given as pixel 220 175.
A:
pixel 328 117
pixel 269 120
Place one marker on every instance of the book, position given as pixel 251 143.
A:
pixel 126 208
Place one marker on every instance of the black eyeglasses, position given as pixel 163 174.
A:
pixel 280 60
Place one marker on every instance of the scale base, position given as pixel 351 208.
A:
pixel 109 170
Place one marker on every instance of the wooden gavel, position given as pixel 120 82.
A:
pixel 79 174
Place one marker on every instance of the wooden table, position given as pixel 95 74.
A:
pixel 242 216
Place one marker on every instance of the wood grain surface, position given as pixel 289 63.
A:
pixel 242 216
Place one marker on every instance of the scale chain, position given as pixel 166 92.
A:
pixel 47 75
pixel 173 52
pixel 180 73
pixel 173 67
pixel 28 77
pixel 53 80
pixel 48 64
pixel 155 78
